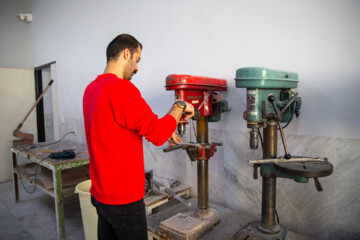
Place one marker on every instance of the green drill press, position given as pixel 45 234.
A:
pixel 271 102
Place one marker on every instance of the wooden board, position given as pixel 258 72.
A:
pixel 158 198
pixel 70 177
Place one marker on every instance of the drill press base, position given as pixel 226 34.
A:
pixel 256 231
pixel 189 225
pixel 230 221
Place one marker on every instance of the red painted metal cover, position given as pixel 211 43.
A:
pixel 189 82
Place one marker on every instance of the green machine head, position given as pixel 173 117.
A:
pixel 264 86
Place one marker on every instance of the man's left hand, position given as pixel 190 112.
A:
pixel 174 139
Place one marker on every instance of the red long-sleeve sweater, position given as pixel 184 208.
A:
pixel 116 118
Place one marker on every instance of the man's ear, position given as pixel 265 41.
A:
pixel 126 53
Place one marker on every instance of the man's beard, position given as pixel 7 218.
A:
pixel 130 75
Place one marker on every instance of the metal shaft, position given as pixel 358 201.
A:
pixel 203 165
pixel 279 124
pixel 268 201
pixel 202 130
pixel 270 140
pixel 269 182
pixel 169 191
pixel 283 138
pixel 203 189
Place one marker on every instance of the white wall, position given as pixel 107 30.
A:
pixel 317 39
pixel 15 49
pixel 17 96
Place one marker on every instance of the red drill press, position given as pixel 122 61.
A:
pixel 200 92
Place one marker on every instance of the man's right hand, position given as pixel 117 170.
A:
pixel 177 112
pixel 189 111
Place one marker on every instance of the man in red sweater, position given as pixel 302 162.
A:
pixel 116 119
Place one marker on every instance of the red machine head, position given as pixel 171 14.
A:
pixel 199 91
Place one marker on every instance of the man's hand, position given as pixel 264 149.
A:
pixel 177 112
pixel 174 139
pixel 189 110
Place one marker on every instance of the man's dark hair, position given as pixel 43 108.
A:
pixel 120 43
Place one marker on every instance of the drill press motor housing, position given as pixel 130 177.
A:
pixel 200 92
pixel 260 84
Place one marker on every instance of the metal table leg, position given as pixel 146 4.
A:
pixel 15 178
pixel 59 206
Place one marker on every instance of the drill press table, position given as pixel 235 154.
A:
pixel 230 222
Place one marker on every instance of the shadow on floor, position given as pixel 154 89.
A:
pixel 33 217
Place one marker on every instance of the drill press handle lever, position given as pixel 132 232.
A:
pixel 317 184
pixel 255 172
pixel 278 114
pixel 181 146
pixel 216 144
pixel 170 149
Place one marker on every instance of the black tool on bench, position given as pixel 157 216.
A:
pixel 64 154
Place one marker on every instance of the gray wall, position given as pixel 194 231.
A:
pixel 317 39
pixel 15 50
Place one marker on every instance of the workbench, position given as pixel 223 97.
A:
pixel 57 177
pixel 230 222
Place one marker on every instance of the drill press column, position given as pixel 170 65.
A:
pixel 269 182
pixel 203 165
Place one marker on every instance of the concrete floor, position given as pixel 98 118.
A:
pixel 33 217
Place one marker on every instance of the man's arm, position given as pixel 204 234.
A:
pixel 132 112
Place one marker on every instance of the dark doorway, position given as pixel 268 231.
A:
pixel 45 128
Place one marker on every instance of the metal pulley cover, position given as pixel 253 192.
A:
pixel 189 82
pixel 254 77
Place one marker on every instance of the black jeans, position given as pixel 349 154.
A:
pixel 122 222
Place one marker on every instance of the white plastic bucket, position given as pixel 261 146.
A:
pixel 88 211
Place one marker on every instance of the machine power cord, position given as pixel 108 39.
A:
pixel 292 115
pixel 277 216
pixel 36 170
pixel 52 143
pixel 34 146
pixel 261 140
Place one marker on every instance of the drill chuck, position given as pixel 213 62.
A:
pixel 254 139
pixel 181 129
